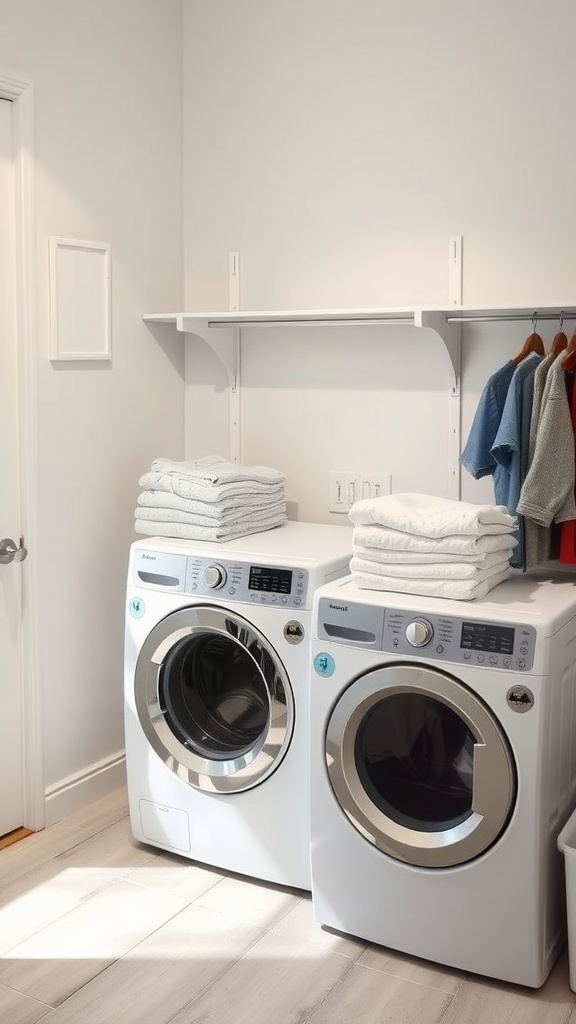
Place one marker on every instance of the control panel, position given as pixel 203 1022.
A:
pixel 256 583
pixel 464 641
pixel 409 634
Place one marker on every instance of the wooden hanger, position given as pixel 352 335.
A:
pixel 533 343
pixel 569 360
pixel 560 340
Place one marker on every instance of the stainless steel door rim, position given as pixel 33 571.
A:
pixel 493 780
pixel 183 754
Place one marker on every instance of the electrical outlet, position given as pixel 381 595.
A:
pixel 343 490
pixel 374 485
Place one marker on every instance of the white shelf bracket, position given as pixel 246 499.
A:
pixel 450 336
pixel 224 342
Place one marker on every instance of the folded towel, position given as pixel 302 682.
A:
pixel 428 516
pixel 214 469
pixel 214 509
pixel 384 539
pixel 390 557
pixel 437 571
pixel 458 590
pixel 240 518
pixel 203 491
pixel 212 533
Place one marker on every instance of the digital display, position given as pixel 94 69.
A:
pixel 482 636
pixel 276 581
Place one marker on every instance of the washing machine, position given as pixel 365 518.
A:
pixel 442 769
pixel 217 647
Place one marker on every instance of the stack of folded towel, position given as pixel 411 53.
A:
pixel 209 499
pixel 421 544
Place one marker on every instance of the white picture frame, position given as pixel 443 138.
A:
pixel 80 309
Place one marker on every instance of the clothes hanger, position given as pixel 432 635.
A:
pixel 560 340
pixel 569 360
pixel 533 343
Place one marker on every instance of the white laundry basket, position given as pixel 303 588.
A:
pixel 567 844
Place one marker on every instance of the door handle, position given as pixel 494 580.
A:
pixel 10 552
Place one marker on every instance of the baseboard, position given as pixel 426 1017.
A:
pixel 75 792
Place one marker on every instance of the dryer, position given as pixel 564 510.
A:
pixel 217 645
pixel 442 769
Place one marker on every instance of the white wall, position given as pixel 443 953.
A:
pixel 107 85
pixel 338 144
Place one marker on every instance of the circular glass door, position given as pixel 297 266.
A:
pixel 213 699
pixel 420 765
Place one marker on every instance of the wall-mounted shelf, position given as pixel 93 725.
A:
pixel 221 331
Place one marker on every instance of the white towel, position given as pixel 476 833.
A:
pixel 212 533
pixel 437 571
pixel 243 517
pixel 214 469
pixel 398 558
pixel 215 510
pixel 458 590
pixel 187 487
pixel 457 547
pixel 426 515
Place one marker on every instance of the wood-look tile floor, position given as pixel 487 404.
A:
pixel 97 929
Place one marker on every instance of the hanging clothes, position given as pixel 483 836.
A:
pixel 510 446
pixel 567 549
pixel 477 455
pixel 536 537
pixel 548 491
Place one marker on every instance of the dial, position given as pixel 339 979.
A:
pixel 419 632
pixel 214 576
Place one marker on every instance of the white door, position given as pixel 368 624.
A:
pixel 11 769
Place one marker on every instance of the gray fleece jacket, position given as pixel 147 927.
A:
pixel 547 493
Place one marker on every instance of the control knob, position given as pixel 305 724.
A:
pixel 214 577
pixel 419 632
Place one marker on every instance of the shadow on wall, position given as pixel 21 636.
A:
pixel 376 357
pixel 172 343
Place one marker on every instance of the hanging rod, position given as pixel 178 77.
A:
pixel 313 322
pixel 498 318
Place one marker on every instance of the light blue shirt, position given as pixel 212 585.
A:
pixel 510 446
pixel 477 455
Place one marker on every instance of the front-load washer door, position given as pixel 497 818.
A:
pixel 214 699
pixel 420 765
